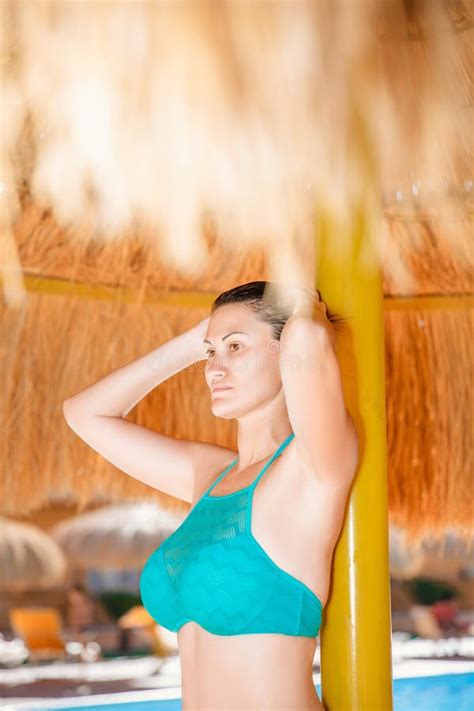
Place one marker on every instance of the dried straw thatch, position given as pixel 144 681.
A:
pixel 429 412
pixel 29 558
pixel 67 336
pixel 244 115
pixel 365 122
pixel 120 536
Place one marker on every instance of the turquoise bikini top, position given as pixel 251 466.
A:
pixel 212 571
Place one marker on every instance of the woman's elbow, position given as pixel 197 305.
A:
pixel 70 410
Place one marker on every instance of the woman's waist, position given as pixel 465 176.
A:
pixel 251 683
pixel 251 654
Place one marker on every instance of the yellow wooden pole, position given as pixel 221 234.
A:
pixel 356 663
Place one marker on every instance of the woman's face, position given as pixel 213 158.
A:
pixel 242 354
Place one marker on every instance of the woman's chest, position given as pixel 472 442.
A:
pixel 256 560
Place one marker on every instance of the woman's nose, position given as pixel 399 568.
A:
pixel 218 366
pixel 217 370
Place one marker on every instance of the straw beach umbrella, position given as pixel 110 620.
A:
pixel 405 560
pixel 240 170
pixel 450 558
pixel 446 557
pixel 29 558
pixel 120 536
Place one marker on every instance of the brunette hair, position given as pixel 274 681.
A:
pixel 255 295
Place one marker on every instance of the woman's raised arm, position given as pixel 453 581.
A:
pixel 96 414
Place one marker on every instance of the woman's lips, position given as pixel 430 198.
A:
pixel 220 389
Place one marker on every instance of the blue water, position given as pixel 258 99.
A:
pixel 447 692
pixel 434 693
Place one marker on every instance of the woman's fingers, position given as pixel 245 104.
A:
pixel 303 303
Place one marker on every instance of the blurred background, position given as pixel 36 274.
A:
pixel 154 154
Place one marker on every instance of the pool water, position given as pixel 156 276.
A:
pixel 446 692
pixel 434 693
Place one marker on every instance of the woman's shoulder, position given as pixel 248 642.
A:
pixel 211 461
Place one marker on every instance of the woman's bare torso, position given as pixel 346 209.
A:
pixel 267 671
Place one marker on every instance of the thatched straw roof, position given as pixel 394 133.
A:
pixel 68 336
pixel 29 558
pixel 336 127
pixel 120 536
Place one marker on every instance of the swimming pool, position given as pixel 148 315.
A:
pixel 434 693
pixel 422 693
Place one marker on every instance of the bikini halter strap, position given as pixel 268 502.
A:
pixel 261 473
pixel 272 458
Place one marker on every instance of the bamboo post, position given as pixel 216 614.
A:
pixel 356 664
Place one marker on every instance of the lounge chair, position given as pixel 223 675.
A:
pixel 163 642
pixel 40 628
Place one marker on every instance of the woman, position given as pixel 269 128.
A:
pixel 244 579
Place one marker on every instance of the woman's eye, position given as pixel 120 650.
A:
pixel 210 351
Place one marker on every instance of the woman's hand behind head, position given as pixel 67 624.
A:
pixel 197 335
pixel 309 305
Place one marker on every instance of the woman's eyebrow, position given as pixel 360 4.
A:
pixel 229 334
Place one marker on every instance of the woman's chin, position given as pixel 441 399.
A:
pixel 221 409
